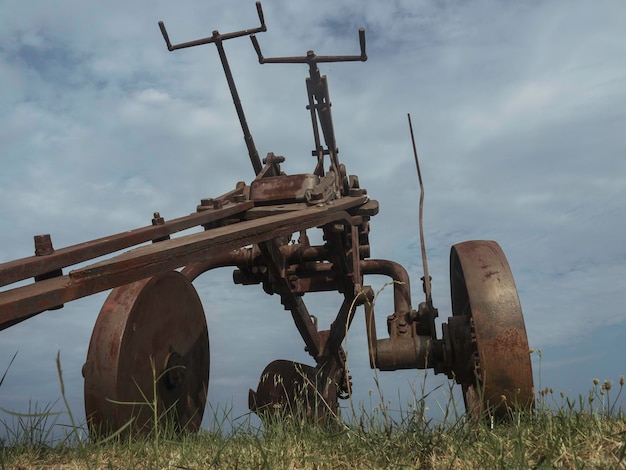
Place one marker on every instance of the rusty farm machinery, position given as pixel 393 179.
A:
pixel 151 333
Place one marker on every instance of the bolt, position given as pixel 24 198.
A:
pixel 157 219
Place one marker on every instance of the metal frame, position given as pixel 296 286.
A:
pixel 251 228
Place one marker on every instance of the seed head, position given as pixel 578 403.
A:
pixel 596 381
pixel 621 381
pixel 607 385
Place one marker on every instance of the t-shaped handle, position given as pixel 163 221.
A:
pixel 218 39
pixel 311 58
pixel 216 35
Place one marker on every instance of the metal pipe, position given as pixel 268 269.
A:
pixel 401 284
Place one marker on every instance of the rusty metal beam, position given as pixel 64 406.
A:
pixel 25 268
pixel 169 254
pixel 340 326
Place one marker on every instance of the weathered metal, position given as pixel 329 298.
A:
pixel 149 352
pixel 152 259
pixel 287 387
pixel 153 323
pixel 492 362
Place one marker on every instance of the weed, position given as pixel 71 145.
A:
pixel 589 431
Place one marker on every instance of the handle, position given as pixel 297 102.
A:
pixel 311 58
pixel 216 35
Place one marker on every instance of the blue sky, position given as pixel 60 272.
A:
pixel 519 115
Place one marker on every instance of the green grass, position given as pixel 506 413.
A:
pixel 561 438
pixel 586 432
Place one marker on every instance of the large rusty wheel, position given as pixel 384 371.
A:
pixel 494 366
pixel 151 333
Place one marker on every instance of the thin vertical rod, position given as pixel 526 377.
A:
pixel 427 288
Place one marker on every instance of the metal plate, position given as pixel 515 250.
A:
pixel 150 336
pixel 483 291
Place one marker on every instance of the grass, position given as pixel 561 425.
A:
pixel 570 439
pixel 586 432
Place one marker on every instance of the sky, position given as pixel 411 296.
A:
pixel 519 116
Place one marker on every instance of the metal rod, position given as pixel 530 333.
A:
pixel 218 38
pixel 247 136
pixel 427 288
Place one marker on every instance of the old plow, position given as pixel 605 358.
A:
pixel 151 333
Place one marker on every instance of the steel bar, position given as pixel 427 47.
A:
pixel 340 326
pixel 25 268
pixel 218 39
pixel 169 254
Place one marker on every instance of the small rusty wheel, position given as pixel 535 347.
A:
pixel 493 360
pixel 292 388
pixel 150 335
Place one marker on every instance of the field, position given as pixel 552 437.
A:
pixel 586 432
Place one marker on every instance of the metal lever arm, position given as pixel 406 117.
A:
pixel 217 39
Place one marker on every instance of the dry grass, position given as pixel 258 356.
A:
pixel 559 433
pixel 588 432
pixel 574 441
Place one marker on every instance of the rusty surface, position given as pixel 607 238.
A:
pixel 154 314
pixel 495 346
pixel 150 331
pixel 283 189
pixel 159 257
pixel 25 268
pixel 287 387
pixel 401 284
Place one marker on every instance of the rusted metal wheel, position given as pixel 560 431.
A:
pixel 292 388
pixel 492 356
pixel 150 336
